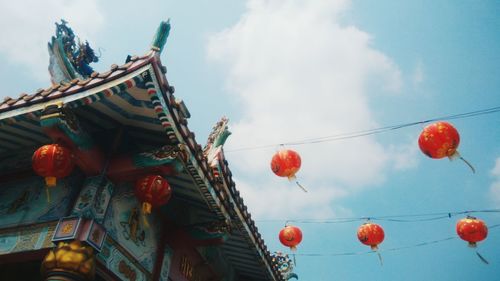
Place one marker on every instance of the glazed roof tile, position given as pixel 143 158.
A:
pixel 75 85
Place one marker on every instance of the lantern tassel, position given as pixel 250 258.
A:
pixel 380 258
pixel 482 258
pixel 294 178
pixel 375 249
pixel 294 249
pixel 47 191
pixel 468 164
pixel 303 188
pixel 145 220
pixel 457 155
pixel 146 210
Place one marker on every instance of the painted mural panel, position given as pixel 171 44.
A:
pixel 94 198
pixel 25 201
pixel 27 239
pixel 167 261
pixel 118 262
pixel 134 231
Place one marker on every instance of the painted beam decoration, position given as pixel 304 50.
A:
pixel 24 201
pixel 94 198
pixel 31 238
pixel 118 261
pixel 80 229
pixel 128 227
pixel 62 126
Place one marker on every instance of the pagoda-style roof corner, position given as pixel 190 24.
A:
pixel 136 98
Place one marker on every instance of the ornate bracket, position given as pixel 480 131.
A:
pixel 62 126
pixel 212 233
pixel 80 229
pixel 94 197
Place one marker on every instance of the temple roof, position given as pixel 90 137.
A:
pixel 245 248
pixel 74 86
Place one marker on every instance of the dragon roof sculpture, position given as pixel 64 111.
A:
pixel 69 57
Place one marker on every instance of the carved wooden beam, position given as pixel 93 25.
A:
pixel 62 126
pixel 166 160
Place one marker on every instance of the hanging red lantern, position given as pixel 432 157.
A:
pixel 290 236
pixel 439 140
pixel 286 163
pixel 472 230
pixel 152 191
pixel 371 234
pixel 53 161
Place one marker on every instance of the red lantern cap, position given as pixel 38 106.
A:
pixel 472 230
pixel 152 191
pixel 53 162
pixel 290 236
pixel 371 234
pixel 286 163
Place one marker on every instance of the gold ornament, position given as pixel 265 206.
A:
pixel 70 257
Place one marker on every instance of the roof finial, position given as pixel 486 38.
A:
pixel 161 36
pixel 69 57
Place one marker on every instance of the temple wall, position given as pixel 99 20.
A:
pixel 130 228
pixel 24 201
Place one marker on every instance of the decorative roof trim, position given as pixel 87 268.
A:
pixel 67 98
pixel 192 164
pixel 200 170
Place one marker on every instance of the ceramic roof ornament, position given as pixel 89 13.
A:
pixel 69 57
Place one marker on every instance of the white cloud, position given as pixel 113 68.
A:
pixel 27 26
pixel 298 73
pixel 404 156
pixel 495 186
pixel 418 73
pixel 282 200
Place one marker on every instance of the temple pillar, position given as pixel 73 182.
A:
pixel 69 261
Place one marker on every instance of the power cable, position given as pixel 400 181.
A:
pixel 391 218
pixel 363 133
pixel 422 244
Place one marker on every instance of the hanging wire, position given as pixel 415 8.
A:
pixel 363 133
pixel 422 244
pixel 390 218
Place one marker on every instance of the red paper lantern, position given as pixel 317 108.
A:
pixel 286 163
pixel 53 161
pixel 290 236
pixel 152 191
pixel 371 234
pixel 472 230
pixel 439 140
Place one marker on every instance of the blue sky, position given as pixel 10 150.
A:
pixel 291 70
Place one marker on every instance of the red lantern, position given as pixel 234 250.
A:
pixel 52 161
pixel 286 163
pixel 371 234
pixel 472 230
pixel 439 140
pixel 152 191
pixel 290 236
